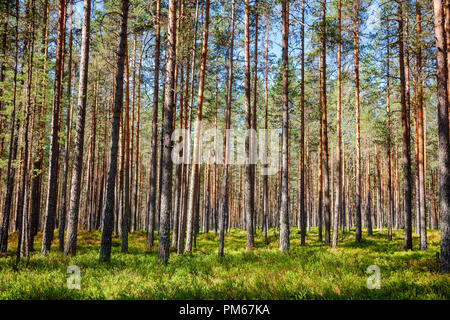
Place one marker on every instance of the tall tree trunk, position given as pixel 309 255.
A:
pixel 358 231
pixel 223 209
pixel 443 128
pixel 405 135
pixel 284 210
pixel 13 144
pixel 319 161
pixel 420 125
pixel 302 204
pixel 196 159
pixel 63 209
pixel 166 164
pixel 266 104
pixel 22 204
pixel 249 180
pixel 338 171
pixel 388 133
pixel 326 170
pixel 75 190
pixel 53 169
pixel 36 181
pixel 108 218
pixel 154 140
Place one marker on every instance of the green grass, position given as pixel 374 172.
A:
pixel 314 271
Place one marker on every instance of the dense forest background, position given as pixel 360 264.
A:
pixel 90 92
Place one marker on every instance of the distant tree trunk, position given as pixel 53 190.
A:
pixel 154 140
pixel 358 231
pixel 443 128
pixel 166 164
pixel 284 210
pixel 196 158
pixel 53 170
pixel 108 218
pixel 223 209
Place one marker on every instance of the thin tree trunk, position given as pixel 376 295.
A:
pixel 338 199
pixel 154 140
pixel 53 170
pixel 358 231
pixel 284 210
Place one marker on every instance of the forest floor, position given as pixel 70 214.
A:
pixel 314 271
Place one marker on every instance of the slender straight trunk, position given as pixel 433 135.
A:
pixel 249 180
pixel 223 209
pixel 137 172
pixel 443 127
pixel 369 200
pixel 254 122
pixel 302 204
pixel 126 210
pixel 22 203
pixel 326 170
pixel 63 208
pixel 420 124
pixel 166 163
pixel 388 133
pixel 195 172
pixel 338 202
pixel 177 215
pixel 380 212
pixel 36 180
pixel 151 209
pixel 266 104
pixel 13 144
pixel 108 217
pixel 284 210
pixel 320 162
pixel 53 169
pixel 405 135
pixel 358 231
pixel 75 190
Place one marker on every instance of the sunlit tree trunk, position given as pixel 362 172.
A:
pixel 443 132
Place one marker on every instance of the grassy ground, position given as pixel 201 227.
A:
pixel 311 272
